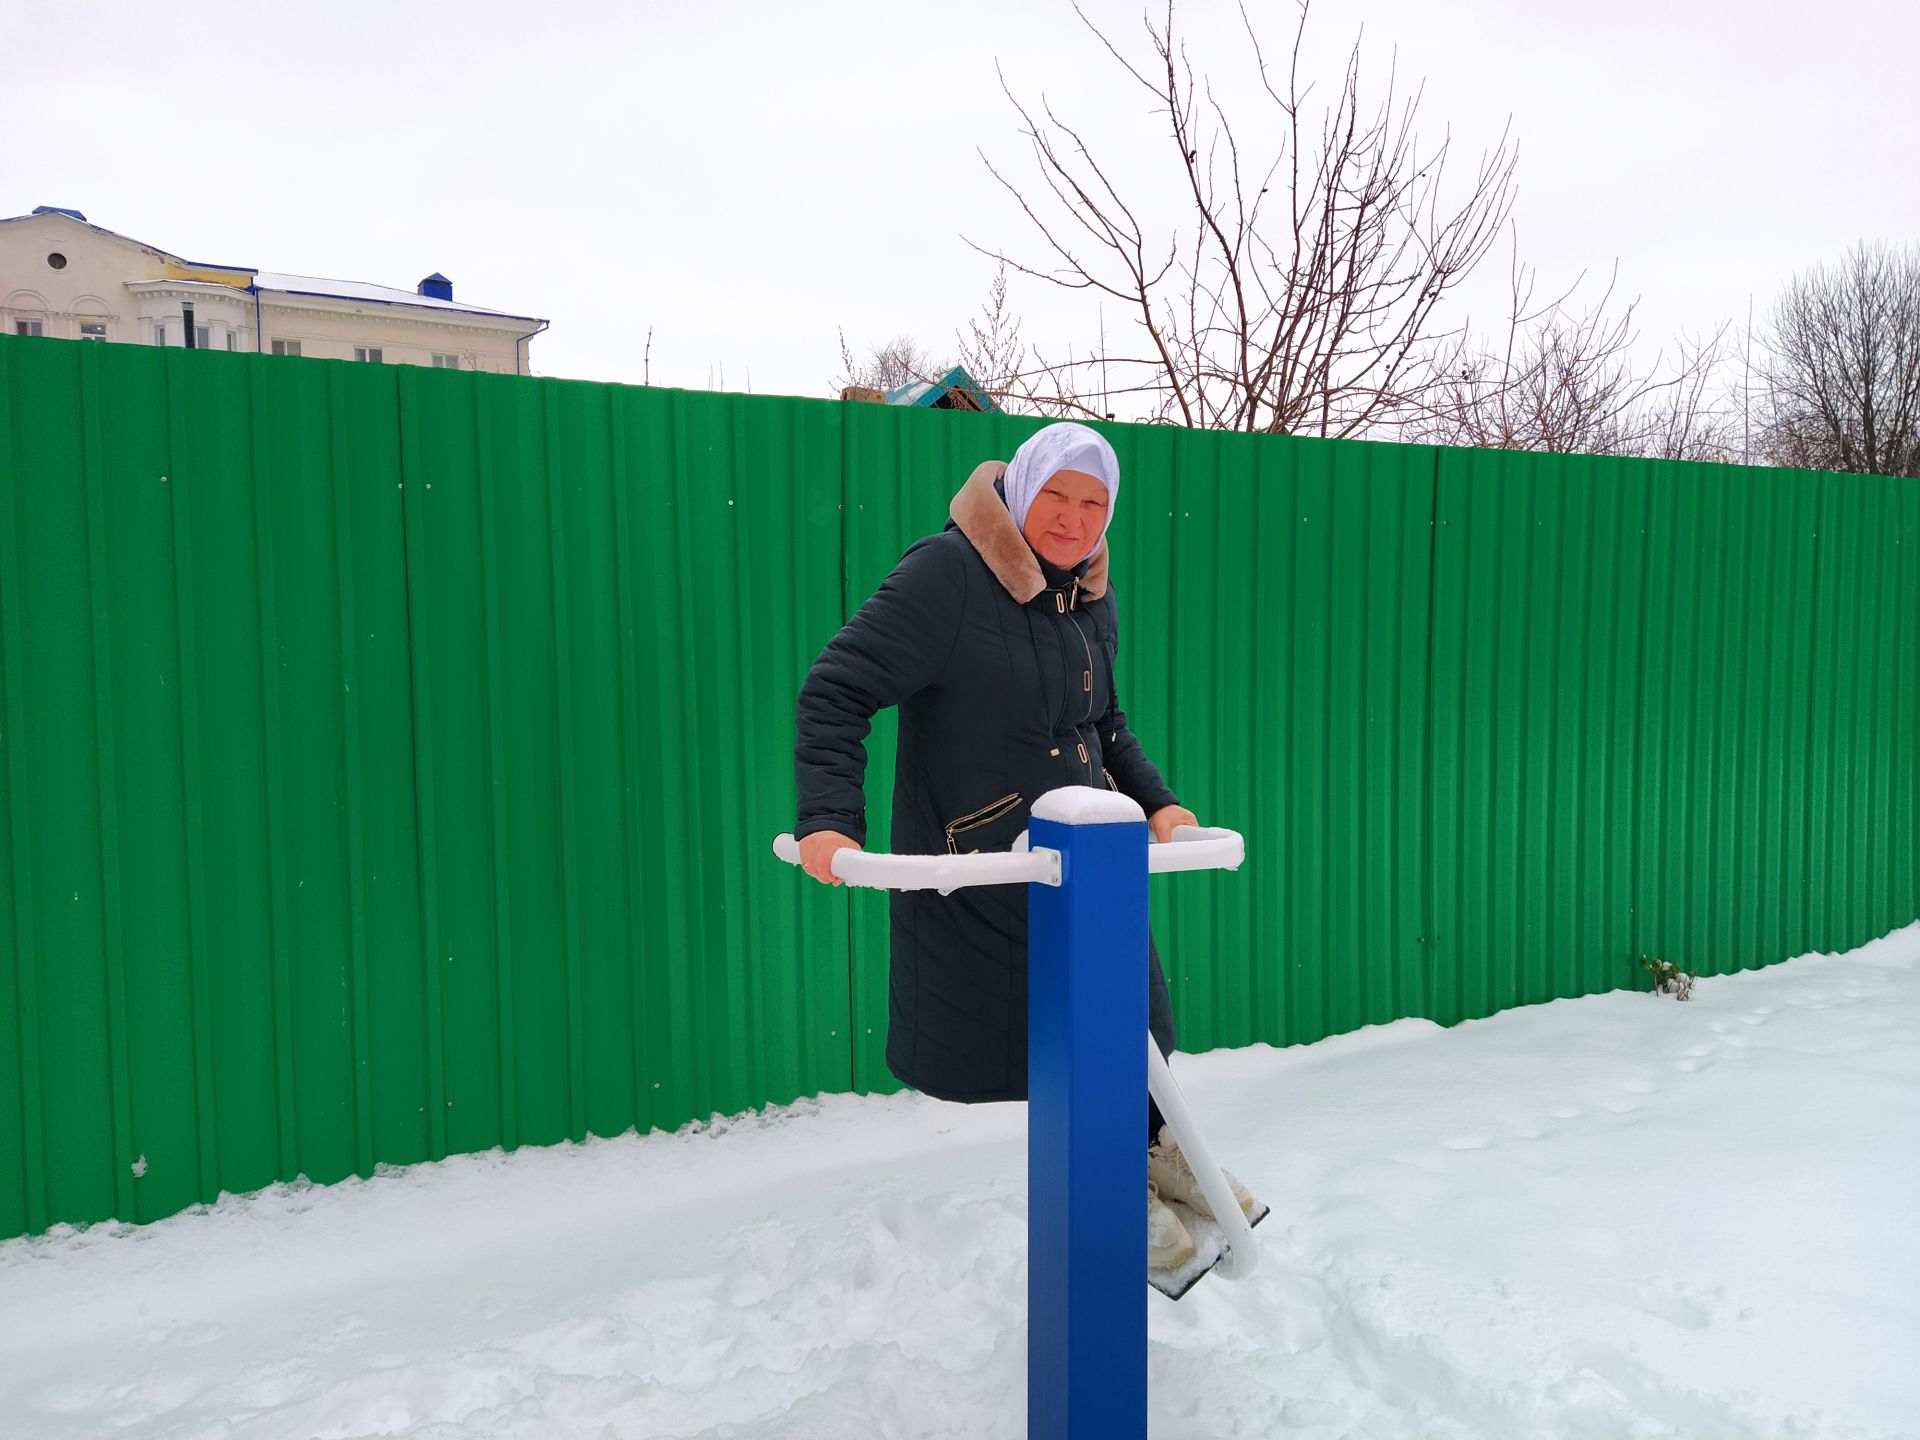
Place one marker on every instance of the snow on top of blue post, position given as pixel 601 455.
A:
pixel 1084 805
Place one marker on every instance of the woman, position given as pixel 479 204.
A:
pixel 996 639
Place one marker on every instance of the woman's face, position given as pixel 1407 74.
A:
pixel 1066 517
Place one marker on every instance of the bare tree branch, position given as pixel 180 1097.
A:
pixel 1316 323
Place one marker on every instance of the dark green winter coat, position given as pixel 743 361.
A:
pixel 1002 668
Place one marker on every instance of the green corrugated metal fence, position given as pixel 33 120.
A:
pixel 388 756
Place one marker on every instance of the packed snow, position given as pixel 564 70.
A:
pixel 1084 805
pixel 1622 1216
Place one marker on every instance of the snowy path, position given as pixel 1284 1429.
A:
pixel 1613 1217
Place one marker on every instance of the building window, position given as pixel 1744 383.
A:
pixel 232 343
pixel 446 362
pixel 286 347
pixel 29 327
pixel 56 261
pixel 370 354
pixel 203 337
pixel 159 332
pixel 93 329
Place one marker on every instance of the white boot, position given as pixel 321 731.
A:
pixel 1169 1246
pixel 1169 1173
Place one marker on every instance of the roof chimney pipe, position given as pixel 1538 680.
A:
pixel 436 287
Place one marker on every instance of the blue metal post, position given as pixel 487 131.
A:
pixel 1086 1146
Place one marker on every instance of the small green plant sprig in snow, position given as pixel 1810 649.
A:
pixel 1669 979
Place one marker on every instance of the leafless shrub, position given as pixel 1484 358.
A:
pixel 990 347
pixel 1570 381
pixel 1019 380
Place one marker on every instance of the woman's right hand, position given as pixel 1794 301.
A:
pixel 817 851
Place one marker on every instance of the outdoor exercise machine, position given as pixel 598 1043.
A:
pixel 1086 859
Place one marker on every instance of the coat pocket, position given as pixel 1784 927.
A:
pixel 971 833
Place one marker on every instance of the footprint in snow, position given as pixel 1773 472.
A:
pixel 1663 1302
pixel 345 1327
pixel 185 1335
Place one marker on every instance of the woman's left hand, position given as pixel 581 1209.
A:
pixel 1165 818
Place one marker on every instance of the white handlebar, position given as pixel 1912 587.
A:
pixel 1198 847
pixel 1194 847
pixel 945 873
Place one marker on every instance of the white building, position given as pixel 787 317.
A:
pixel 61 276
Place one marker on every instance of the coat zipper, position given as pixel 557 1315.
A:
pixel 986 815
pixel 1086 685
pixel 1086 676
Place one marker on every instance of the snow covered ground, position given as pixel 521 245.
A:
pixel 1619 1216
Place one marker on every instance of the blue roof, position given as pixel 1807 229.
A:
pixel 963 388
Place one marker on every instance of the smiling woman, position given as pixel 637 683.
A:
pixel 1067 518
pixel 996 639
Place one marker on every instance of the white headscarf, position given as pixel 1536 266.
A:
pixel 1065 446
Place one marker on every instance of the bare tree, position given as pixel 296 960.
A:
pixel 1570 382
pixel 1842 378
pixel 899 362
pixel 1297 293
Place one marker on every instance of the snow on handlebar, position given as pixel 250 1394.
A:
pixel 1198 847
pixel 1194 847
pixel 945 873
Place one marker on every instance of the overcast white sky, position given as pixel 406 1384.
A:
pixel 747 177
